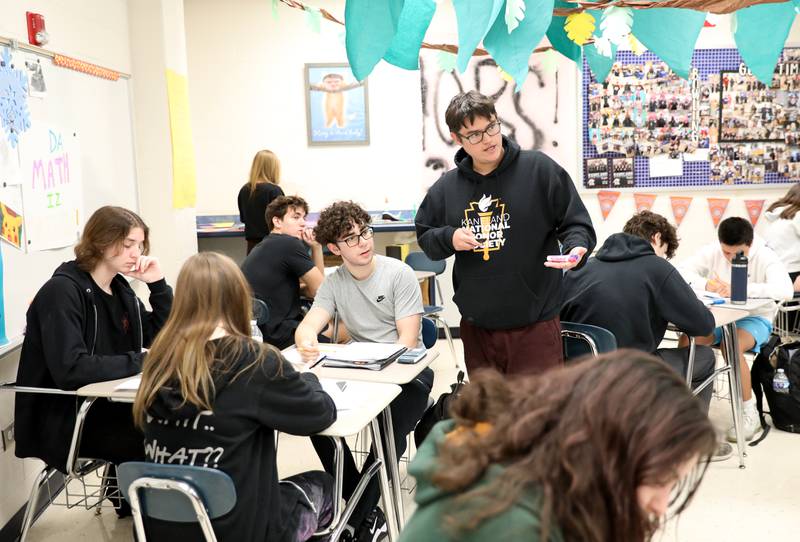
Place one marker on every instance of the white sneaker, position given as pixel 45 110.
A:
pixel 724 451
pixel 751 426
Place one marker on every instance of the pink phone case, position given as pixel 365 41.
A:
pixel 562 258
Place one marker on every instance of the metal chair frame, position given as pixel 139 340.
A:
pixel 77 491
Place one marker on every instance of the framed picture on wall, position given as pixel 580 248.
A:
pixel 336 106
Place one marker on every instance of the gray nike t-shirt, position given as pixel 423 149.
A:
pixel 370 307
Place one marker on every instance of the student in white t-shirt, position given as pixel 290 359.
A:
pixel 710 269
pixel 379 300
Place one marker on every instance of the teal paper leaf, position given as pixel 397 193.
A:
pixel 599 65
pixel 446 61
pixel 474 19
pixel 558 37
pixel 274 10
pixel 512 51
pixel 761 31
pixel 370 26
pixel 313 18
pixel 411 27
pixel 670 34
pixel 515 12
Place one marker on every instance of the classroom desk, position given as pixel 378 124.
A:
pixel 210 226
pixel 394 373
pixel 375 400
pixel 725 316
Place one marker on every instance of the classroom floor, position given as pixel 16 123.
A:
pixel 756 503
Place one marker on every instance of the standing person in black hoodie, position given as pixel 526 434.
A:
pixel 212 397
pixel 502 211
pixel 257 193
pixel 630 289
pixel 86 325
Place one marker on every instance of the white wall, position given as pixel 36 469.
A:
pixel 92 30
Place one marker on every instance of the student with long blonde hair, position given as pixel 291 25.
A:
pixel 257 193
pixel 783 235
pixel 212 397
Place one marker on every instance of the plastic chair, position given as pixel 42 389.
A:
pixel 418 261
pixel 582 339
pixel 50 483
pixel 260 311
pixel 429 333
pixel 177 493
pixel 786 319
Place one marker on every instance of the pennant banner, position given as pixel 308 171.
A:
pixel 644 202
pixel 680 206
pixel 717 206
pixel 607 201
pixel 754 207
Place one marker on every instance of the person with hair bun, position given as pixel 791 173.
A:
pixel 87 325
pixel 597 451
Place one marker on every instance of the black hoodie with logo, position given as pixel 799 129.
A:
pixel 633 293
pixel 59 352
pixel 521 211
pixel 237 436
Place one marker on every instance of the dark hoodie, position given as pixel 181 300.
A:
pixel 237 436
pixel 633 293
pixel 59 352
pixel 528 205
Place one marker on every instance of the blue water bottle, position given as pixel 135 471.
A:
pixel 739 279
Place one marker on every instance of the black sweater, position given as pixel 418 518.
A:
pixel 59 352
pixel 253 207
pixel 633 293
pixel 527 205
pixel 238 437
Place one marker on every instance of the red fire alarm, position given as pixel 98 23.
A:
pixel 37 34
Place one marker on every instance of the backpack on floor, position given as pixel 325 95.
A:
pixel 784 409
pixel 439 411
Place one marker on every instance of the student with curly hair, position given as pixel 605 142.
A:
pixel 379 300
pixel 600 450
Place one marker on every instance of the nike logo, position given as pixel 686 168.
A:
pixel 380 298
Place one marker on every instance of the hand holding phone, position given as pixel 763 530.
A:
pixel 412 356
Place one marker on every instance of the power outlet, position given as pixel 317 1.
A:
pixel 7 436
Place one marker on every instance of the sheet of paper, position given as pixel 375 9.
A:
pixel 664 166
pixel 132 384
pixel 699 155
pixel 347 394
pixel 294 357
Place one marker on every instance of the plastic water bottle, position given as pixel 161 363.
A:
pixel 780 382
pixel 255 333
pixel 739 279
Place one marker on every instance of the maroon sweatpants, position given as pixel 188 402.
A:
pixel 523 350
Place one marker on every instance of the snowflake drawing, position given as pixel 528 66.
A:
pixel 14 115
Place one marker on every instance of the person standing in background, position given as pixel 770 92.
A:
pixel 783 235
pixel 257 193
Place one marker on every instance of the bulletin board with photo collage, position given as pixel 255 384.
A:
pixel 645 127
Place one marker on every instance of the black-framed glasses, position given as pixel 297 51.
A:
pixel 352 241
pixel 476 137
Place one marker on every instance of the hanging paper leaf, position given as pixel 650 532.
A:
pixel 760 35
pixel 411 27
pixel 446 61
pixel 579 27
pixel 599 65
pixel 549 61
pixel 603 46
pixel 313 18
pixel 558 36
pixel 474 20
pixel 370 27
pixel 670 34
pixel 616 24
pixel 274 10
pixel 636 46
pixel 513 51
pixel 504 75
pixel 515 12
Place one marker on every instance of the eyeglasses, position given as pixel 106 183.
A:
pixel 476 137
pixel 352 241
